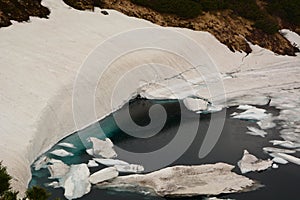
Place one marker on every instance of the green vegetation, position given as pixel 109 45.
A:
pixel 4 180
pixel 182 8
pixel 287 10
pixel 35 193
pixel 263 18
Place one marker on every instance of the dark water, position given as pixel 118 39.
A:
pixel 279 183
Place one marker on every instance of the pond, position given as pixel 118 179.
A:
pixel 278 183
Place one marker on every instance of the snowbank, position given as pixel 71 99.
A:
pixel 40 60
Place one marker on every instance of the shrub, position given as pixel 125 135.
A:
pixel 182 8
pixel 9 195
pixel 288 10
pixel 37 193
pixel 4 180
pixel 267 25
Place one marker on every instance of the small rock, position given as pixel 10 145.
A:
pixel 104 12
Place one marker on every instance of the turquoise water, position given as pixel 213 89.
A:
pixel 279 183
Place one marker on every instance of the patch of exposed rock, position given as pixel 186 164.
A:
pixel 20 10
pixel 183 181
pixel 229 29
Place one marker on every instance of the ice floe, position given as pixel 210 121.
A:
pixel 250 163
pixel 104 175
pixel 90 152
pixel 275 166
pixel 61 153
pixel 251 113
pixel 68 145
pixel 131 168
pixel 103 148
pixel 76 181
pixel 110 162
pixel 267 123
pixel 278 150
pixel 279 160
pixel 286 144
pixel 41 163
pixel 245 107
pixel 58 169
pixel 54 184
pixel 183 181
pixel 287 157
pixel 195 104
pixel 256 132
pixel 92 163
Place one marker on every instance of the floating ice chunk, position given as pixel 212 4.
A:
pixel 90 152
pixel 183 181
pixel 252 114
pixel 92 163
pixel 256 132
pixel 275 166
pixel 288 158
pixel 215 198
pixel 266 123
pixel 103 148
pixel 211 109
pixel 52 161
pixel 194 104
pixel 76 182
pixel 110 162
pixel 41 163
pixel 68 145
pixel 132 168
pixel 290 136
pixel 250 163
pixel 104 175
pixel 245 107
pixel 214 108
pixel 279 160
pixel 61 153
pixel 277 150
pixel 54 184
pixel 286 144
pixel 58 169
